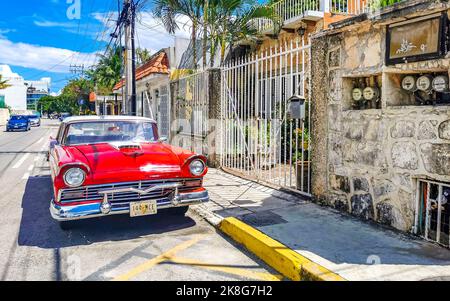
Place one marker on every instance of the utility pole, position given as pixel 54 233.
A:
pixel 77 69
pixel 130 57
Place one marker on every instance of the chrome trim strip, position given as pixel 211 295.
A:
pixel 86 211
pixel 141 191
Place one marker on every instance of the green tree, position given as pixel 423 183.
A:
pixel 143 55
pixel 169 10
pixel 108 71
pixel 236 22
pixel 3 83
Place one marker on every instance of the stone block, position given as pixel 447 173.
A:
pixel 444 130
pixel 427 130
pixel 382 188
pixel 436 158
pixel 385 213
pixel 360 184
pixel 362 206
pixel 339 202
pixel 404 155
pixel 341 183
pixel 403 129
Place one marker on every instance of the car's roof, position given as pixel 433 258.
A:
pixel 106 118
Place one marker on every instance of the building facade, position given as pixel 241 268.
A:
pixel 15 96
pixel 383 155
pixel 35 91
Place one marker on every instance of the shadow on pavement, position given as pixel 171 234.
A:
pixel 38 229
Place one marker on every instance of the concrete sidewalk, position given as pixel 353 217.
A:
pixel 349 247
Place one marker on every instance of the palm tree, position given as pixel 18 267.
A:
pixel 108 71
pixel 236 22
pixel 3 83
pixel 143 55
pixel 169 10
pixel 230 21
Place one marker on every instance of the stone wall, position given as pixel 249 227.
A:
pixel 367 162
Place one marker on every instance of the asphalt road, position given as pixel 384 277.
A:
pixel 33 247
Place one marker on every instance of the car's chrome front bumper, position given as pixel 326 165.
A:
pixel 84 211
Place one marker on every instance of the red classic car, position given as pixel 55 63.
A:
pixel 110 165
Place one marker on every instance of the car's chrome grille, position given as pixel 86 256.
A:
pixel 91 193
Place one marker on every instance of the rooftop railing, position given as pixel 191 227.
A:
pixel 292 10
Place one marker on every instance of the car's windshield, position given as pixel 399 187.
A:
pixel 22 118
pixel 110 131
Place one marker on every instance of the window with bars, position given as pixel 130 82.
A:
pixel 433 211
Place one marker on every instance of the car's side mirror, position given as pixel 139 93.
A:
pixel 53 142
pixel 163 139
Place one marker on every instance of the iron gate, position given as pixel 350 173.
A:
pixel 191 113
pixel 259 138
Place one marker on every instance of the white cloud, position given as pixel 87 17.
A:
pixel 46 23
pixel 42 57
pixel 3 32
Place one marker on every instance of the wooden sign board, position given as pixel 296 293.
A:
pixel 417 39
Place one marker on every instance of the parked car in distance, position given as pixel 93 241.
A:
pixel 109 165
pixel 64 116
pixel 35 120
pixel 18 122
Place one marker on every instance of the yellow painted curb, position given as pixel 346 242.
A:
pixel 286 261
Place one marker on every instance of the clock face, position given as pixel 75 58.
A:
pixel 357 94
pixel 440 83
pixel 424 83
pixel 409 83
pixel 369 93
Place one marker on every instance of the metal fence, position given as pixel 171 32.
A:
pixel 433 211
pixel 288 10
pixel 191 115
pixel 259 139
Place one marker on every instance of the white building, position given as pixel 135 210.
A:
pixel 153 84
pixel 16 95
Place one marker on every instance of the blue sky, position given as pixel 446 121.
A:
pixel 37 39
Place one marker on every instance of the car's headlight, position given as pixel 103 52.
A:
pixel 197 167
pixel 74 177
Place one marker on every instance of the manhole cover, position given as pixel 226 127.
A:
pixel 261 219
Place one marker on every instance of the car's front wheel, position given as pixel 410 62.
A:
pixel 178 211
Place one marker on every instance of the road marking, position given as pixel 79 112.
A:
pixel 228 270
pixel 20 162
pixel 36 158
pixel 26 176
pixel 157 260
pixel 30 168
pixel 40 140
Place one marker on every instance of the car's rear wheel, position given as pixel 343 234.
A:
pixel 178 211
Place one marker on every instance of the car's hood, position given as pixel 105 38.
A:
pixel 108 162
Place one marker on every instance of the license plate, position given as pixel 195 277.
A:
pixel 143 208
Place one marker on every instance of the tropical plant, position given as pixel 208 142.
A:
pixel 68 101
pixel 108 71
pixel 169 10
pixel 223 22
pixel 378 4
pixel 143 55
pixel 238 19
pixel 3 83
